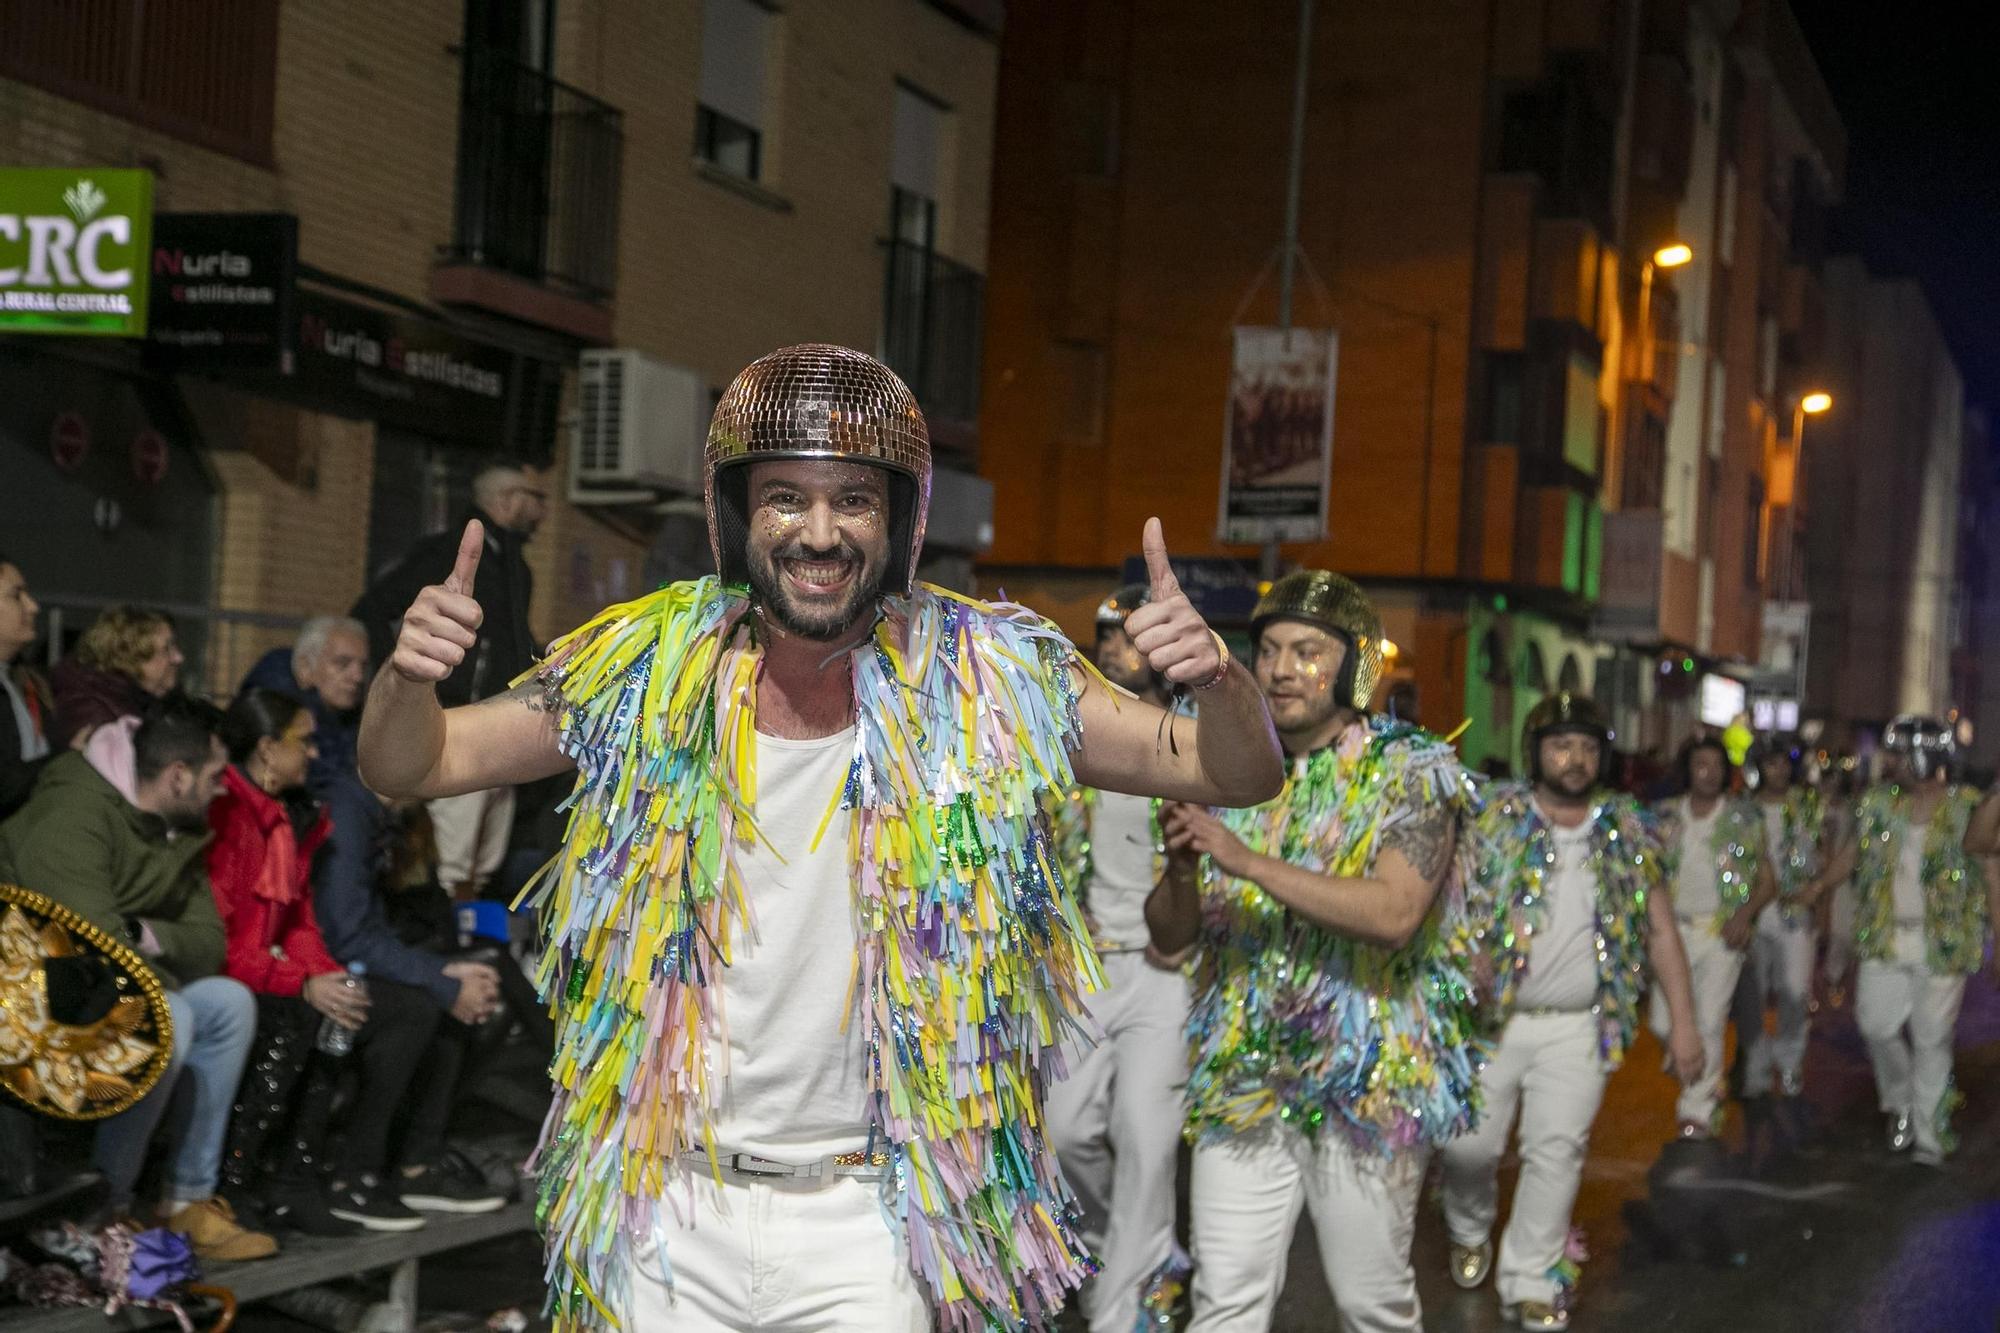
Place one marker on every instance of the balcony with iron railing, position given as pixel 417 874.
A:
pixel 535 228
pixel 933 311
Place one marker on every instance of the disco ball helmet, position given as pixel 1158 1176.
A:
pixel 817 400
pixel 1336 604
pixel 1927 744
pixel 1567 711
pixel 1112 611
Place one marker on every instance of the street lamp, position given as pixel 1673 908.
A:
pixel 1672 255
pixel 1811 403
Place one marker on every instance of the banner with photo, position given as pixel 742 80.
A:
pixel 1277 444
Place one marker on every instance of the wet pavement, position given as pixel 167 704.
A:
pixel 1836 1237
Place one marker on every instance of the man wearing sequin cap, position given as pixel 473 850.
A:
pixel 1115 1121
pixel 1925 901
pixel 1718 880
pixel 1332 1041
pixel 807 947
pixel 1569 911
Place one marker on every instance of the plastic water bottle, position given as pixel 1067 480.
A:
pixel 333 1038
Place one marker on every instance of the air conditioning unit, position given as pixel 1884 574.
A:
pixel 640 423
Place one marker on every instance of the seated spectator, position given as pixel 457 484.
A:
pixel 25 702
pixel 128 656
pixel 325 669
pixel 116 835
pixel 266 831
pixel 355 926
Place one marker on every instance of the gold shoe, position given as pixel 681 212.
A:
pixel 214 1233
pixel 1471 1263
pixel 1541 1315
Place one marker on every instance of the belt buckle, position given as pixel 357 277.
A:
pixel 749 1164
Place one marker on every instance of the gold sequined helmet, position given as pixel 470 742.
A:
pixel 1567 711
pixel 85 1029
pixel 817 400
pixel 1336 604
pixel 1112 611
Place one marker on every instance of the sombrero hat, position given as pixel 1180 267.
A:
pixel 85 1030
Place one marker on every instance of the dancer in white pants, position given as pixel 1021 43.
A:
pixel 1718 880
pixel 1116 1120
pixel 1569 917
pixel 1924 908
pixel 1334 1038
pixel 1780 967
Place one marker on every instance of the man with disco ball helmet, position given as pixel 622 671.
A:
pixel 810 966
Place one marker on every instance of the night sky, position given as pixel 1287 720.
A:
pixel 1918 95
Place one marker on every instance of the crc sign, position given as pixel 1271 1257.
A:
pixel 73 250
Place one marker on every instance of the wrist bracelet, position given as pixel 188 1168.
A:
pixel 1221 668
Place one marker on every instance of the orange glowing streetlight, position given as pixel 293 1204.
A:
pixel 1674 254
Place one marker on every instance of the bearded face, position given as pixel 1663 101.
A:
pixel 818 543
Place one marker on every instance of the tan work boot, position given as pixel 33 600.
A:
pixel 212 1229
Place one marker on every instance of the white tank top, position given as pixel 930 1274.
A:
pixel 1121 841
pixel 796 1085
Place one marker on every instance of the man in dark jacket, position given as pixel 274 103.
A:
pixel 116 834
pixel 24 700
pixel 509 501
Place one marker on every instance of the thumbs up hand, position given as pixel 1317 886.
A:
pixel 1167 630
pixel 442 625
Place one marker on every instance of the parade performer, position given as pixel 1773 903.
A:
pixel 1333 1038
pixel 1924 907
pixel 1570 913
pixel 1116 1120
pixel 1779 970
pixel 1718 880
pixel 808 950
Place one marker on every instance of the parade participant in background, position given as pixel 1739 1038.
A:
pixel 1780 966
pixel 1116 1120
pixel 1570 912
pixel 1333 1036
pixel 1923 911
pixel 809 950
pixel 1717 880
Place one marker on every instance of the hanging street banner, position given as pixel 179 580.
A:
pixel 73 250
pixel 1277 443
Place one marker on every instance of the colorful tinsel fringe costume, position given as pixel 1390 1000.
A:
pixel 1796 856
pixel 1736 846
pixel 972 954
pixel 1955 923
pixel 1295 1024
pixel 1517 854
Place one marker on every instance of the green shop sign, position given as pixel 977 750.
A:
pixel 73 250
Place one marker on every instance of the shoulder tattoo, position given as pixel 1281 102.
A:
pixel 1424 839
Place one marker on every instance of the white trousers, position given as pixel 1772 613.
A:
pixel 777 1257
pixel 1548 1066
pixel 1840 932
pixel 1778 972
pixel 1899 992
pixel 471 832
pixel 1247 1193
pixel 1116 1126
pixel 1714 966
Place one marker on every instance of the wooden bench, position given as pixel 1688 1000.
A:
pixel 307 1261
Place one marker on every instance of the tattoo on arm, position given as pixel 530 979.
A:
pixel 1424 839
pixel 532 695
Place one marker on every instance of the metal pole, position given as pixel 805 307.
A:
pixel 1272 556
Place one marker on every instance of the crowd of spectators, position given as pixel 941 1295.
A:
pixel 329 1007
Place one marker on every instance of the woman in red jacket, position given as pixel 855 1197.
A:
pixel 260 865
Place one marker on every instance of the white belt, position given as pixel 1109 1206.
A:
pixel 864 1166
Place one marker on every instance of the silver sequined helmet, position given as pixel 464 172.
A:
pixel 1925 742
